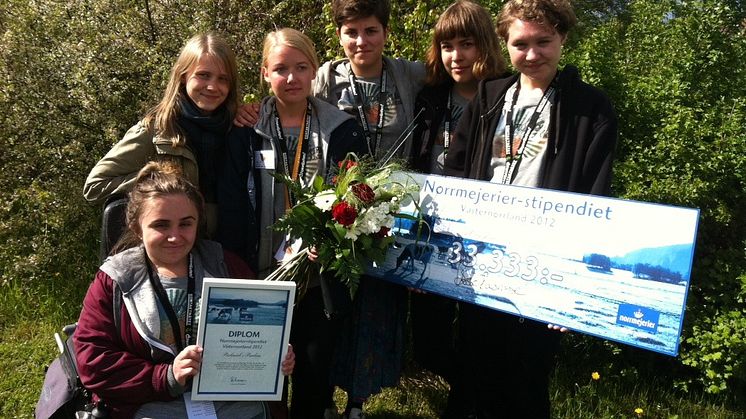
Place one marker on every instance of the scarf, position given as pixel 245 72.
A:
pixel 205 136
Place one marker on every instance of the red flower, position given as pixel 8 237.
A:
pixel 363 192
pixel 344 213
pixel 334 180
pixel 347 164
pixel 383 232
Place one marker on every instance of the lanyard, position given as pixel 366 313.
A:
pixel 301 151
pixel 447 123
pixel 361 108
pixel 512 161
pixel 160 292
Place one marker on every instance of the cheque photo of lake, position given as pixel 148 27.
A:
pixel 635 299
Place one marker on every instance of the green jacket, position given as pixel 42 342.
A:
pixel 115 173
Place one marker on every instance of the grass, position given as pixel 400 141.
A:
pixel 422 395
pixel 27 347
pixel 25 351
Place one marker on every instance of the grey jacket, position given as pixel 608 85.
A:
pixel 333 131
pixel 128 270
pixel 408 77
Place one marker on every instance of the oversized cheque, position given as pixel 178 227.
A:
pixel 607 267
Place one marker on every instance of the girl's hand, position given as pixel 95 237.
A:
pixel 313 254
pixel 562 329
pixel 288 364
pixel 247 115
pixel 187 363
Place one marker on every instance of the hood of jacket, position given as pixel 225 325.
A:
pixel 128 269
pixel 408 77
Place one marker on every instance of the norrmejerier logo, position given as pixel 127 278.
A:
pixel 642 318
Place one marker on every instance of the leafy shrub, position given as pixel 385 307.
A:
pixel 75 75
pixel 674 70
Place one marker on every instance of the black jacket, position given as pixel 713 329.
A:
pixel 433 101
pixel 582 135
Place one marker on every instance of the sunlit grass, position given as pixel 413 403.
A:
pixel 26 349
pixel 616 396
pixel 579 391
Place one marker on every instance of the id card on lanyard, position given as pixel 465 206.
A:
pixel 298 170
pixel 188 338
pixel 512 161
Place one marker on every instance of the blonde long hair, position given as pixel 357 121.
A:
pixel 162 118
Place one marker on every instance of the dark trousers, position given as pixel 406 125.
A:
pixel 433 333
pixel 508 363
pixel 313 338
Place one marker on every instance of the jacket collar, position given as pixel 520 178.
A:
pixel 327 116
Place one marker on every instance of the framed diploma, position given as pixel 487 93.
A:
pixel 612 268
pixel 244 329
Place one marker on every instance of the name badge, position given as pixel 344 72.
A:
pixel 288 248
pixel 264 159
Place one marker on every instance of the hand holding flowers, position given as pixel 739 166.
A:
pixel 348 221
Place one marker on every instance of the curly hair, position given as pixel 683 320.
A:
pixel 558 14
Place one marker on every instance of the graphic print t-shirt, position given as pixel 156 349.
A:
pixel 529 169
pixel 176 290
pixel 393 123
pixel 313 159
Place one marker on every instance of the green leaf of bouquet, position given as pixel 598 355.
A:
pixel 310 211
pixel 365 242
pixel 384 195
pixel 294 185
pixel 386 242
pixel 318 183
pixel 339 231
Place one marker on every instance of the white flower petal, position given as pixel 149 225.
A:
pixel 325 200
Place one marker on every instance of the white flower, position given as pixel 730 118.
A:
pixel 404 193
pixel 351 235
pixel 379 179
pixel 370 220
pixel 325 200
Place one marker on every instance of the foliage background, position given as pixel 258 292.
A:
pixel 75 75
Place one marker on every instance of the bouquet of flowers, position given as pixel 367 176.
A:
pixel 347 223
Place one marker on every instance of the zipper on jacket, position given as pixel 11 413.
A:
pixel 490 112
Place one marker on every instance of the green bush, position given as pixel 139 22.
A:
pixel 675 72
pixel 75 75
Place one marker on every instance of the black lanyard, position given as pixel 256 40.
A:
pixel 301 153
pixel 511 161
pixel 160 292
pixel 361 108
pixel 447 123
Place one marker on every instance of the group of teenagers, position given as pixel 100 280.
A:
pixel 198 174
